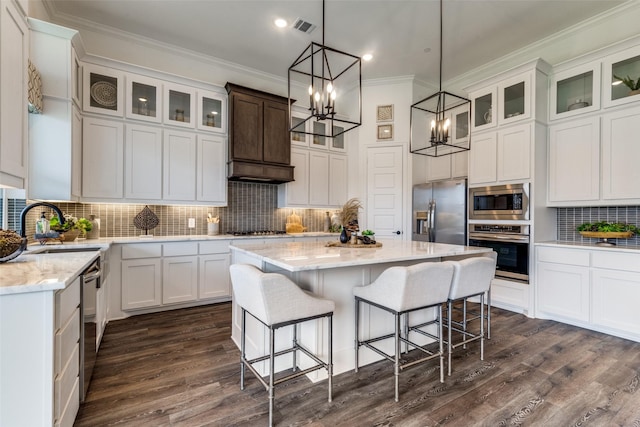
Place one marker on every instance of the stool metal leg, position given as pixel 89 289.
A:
pixel 271 373
pixel 357 340
pixel 489 314
pixel 242 354
pixel 481 326
pixel 396 368
pixel 449 349
pixel 406 332
pixel 330 365
pixel 441 345
pixel 295 343
pixel 464 320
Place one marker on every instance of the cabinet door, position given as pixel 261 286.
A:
pixel 141 283
pixel 179 172
pixel 621 64
pixel 438 168
pixel 574 161
pixel 620 154
pixel 246 132
pixel 103 90
pixel 102 158
pixel 318 179
pixel 614 302
pixel 143 98
pixel 143 162
pixel 276 148
pixel 338 171
pixel 482 159
pixel 179 105
pixel 14 51
pixel 296 193
pixel 514 99
pixel 563 290
pixel 299 137
pixel 514 153
pixel 214 277
pixel 212 112
pixel 179 279
pixel 483 108
pixel 575 91
pixel 460 164
pixel 211 172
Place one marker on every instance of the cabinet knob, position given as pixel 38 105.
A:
pixel 398 232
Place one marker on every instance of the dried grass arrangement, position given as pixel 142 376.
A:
pixel 349 212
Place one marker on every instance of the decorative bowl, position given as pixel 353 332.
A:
pixel 13 250
pixel 577 105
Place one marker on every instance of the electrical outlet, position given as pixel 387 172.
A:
pixel 192 223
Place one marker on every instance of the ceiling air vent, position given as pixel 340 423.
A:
pixel 304 26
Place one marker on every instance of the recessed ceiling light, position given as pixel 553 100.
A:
pixel 280 23
pixel 367 57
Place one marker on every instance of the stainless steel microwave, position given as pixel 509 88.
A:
pixel 499 202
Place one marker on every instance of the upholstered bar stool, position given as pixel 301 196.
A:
pixel 275 301
pixel 399 291
pixel 471 278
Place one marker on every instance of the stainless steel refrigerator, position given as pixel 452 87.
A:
pixel 440 212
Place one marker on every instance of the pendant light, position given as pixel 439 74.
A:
pixel 431 133
pixel 333 83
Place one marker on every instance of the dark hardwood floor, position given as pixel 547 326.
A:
pixel 180 368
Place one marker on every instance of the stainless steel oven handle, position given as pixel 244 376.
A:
pixel 494 237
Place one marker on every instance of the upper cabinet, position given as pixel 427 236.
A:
pixel 144 98
pixel 102 90
pixel 179 105
pixel 212 112
pixel 616 69
pixel 575 91
pixel 14 51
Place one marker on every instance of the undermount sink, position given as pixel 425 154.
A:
pixel 64 250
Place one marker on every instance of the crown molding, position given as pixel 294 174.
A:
pixel 385 81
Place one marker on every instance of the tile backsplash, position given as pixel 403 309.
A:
pixel 570 218
pixel 251 206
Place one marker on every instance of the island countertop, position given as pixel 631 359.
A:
pixel 301 256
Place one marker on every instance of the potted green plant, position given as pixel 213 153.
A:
pixel 72 227
pixel 633 85
pixel 607 230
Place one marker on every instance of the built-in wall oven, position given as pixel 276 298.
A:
pixel 511 242
pixel 499 202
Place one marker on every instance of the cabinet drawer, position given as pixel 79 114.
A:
pixel 180 249
pixel 71 408
pixel 616 260
pixel 67 301
pixel 66 340
pixel 142 250
pixel 65 381
pixel 563 256
pixel 217 247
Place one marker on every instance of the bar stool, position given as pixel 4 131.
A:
pixel 399 291
pixel 275 301
pixel 471 278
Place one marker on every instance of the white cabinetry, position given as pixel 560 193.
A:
pixel 514 153
pixel 214 259
pixel 574 161
pixel 102 90
pixel 179 172
pixel 55 137
pixel 102 159
pixel 320 180
pixel 620 154
pixel 593 288
pixel 483 158
pixel 14 51
pixel 211 171
pixel 141 275
pixel 447 167
pixel 143 162
pixel 563 284
pixel 179 272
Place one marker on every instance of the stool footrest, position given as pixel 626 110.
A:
pixel 403 364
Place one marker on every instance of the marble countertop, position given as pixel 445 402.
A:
pixel 590 246
pixel 32 272
pixel 300 256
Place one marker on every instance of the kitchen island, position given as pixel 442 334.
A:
pixel 332 273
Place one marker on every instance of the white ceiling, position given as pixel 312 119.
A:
pixel 397 32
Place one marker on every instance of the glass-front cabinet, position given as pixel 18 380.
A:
pixel 318 141
pixel 482 109
pixel 144 98
pixel 298 136
pixel 514 99
pixel 621 78
pixel 337 142
pixel 103 90
pixel 212 112
pixel 575 91
pixel 460 125
pixel 179 105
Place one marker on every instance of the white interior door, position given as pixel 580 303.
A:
pixel 385 185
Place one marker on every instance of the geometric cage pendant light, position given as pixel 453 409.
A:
pixel 333 82
pixel 431 119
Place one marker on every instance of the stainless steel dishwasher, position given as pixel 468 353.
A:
pixel 90 279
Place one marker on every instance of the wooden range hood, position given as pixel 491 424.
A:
pixel 259 143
